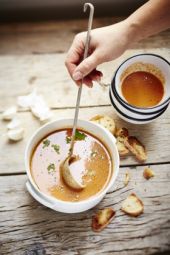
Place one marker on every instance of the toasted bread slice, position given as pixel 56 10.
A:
pixel 132 205
pixel 123 151
pixel 148 173
pixel 106 122
pixel 121 135
pixel 102 219
pixel 136 147
pixel 127 178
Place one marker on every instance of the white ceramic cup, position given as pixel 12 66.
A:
pixel 63 206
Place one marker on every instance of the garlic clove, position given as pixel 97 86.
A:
pixel 40 109
pixel 28 100
pixel 9 113
pixel 14 123
pixel 37 104
pixel 16 134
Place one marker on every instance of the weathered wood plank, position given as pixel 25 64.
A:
pixel 26 227
pixel 154 136
pixel 56 36
pixel 48 73
pixel 43 37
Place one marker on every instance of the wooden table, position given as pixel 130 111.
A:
pixel 32 55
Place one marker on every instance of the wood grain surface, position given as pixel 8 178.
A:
pixel 56 36
pixel 32 56
pixel 19 74
pixel 26 226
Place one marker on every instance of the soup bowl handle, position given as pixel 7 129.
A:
pixel 36 196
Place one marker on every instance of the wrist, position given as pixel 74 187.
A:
pixel 133 32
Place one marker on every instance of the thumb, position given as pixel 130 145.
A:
pixel 85 67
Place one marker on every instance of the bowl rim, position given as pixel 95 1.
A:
pixel 136 119
pixel 130 105
pixel 62 202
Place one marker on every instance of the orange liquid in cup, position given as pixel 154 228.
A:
pixel 142 89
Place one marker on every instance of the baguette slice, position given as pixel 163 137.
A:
pixel 102 219
pixel 123 151
pixel 136 148
pixel 122 134
pixel 106 122
pixel 132 205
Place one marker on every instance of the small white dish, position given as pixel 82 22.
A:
pixel 63 206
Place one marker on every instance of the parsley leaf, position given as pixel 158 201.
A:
pixel 46 143
pixel 56 148
pixel 79 135
pixel 51 168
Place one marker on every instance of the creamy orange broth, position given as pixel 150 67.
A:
pixel 94 168
pixel 142 89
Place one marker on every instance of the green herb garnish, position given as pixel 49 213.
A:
pixel 46 143
pixel 51 168
pixel 79 136
pixel 56 148
pixel 68 139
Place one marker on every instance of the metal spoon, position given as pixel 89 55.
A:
pixel 65 170
pixel 80 88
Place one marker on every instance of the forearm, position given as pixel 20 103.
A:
pixel 153 17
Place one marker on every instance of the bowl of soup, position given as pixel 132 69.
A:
pixel 96 168
pixel 140 90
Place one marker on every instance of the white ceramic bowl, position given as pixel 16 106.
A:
pixel 63 206
pixel 139 115
pixel 130 116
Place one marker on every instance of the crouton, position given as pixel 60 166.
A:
pixel 123 151
pixel 102 219
pixel 136 148
pixel 132 205
pixel 148 173
pixel 106 122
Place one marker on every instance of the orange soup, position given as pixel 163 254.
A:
pixel 142 89
pixel 94 167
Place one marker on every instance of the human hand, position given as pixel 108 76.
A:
pixel 106 44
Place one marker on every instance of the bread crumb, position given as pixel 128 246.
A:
pixel 127 178
pixel 148 173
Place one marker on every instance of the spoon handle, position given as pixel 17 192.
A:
pixel 80 88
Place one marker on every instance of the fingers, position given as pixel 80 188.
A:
pixel 95 75
pixel 86 69
pixel 86 66
pixel 75 54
